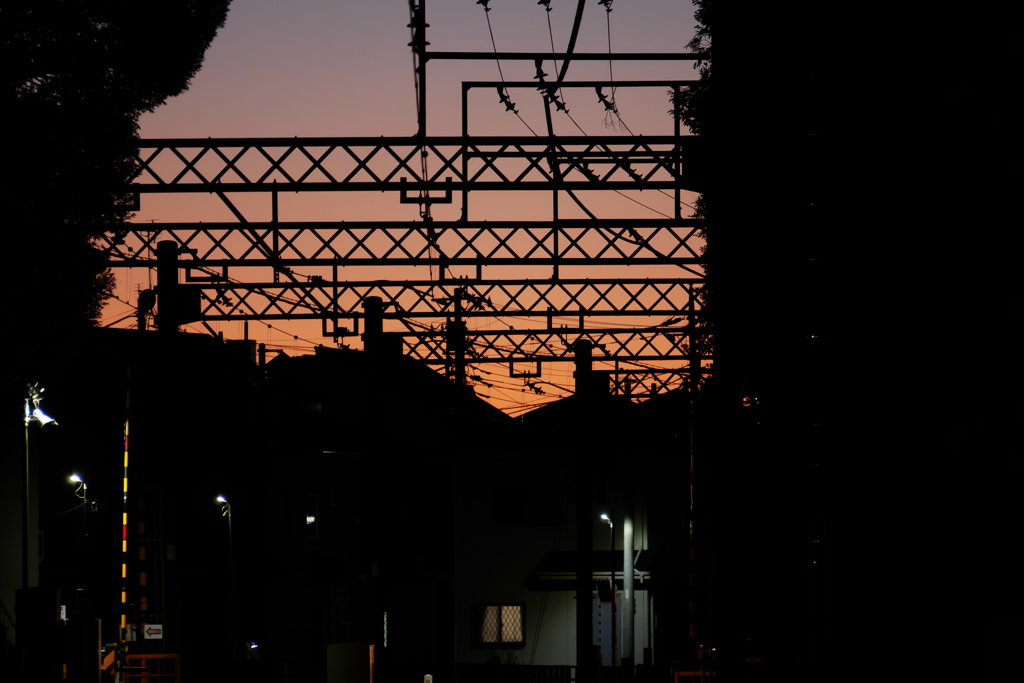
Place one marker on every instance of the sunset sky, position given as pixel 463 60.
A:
pixel 344 69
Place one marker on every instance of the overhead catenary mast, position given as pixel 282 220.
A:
pixel 564 277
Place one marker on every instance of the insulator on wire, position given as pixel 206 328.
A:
pixel 550 96
pixel 540 71
pixel 507 101
pixel 629 169
pixel 585 170
pixel 603 99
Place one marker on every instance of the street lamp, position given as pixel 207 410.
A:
pixel 225 511
pixel 611 553
pixel 83 489
pixel 33 413
pixel 611 530
pixel 82 492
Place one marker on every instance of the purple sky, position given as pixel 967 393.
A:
pixel 344 68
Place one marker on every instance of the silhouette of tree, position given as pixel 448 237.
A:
pixel 692 106
pixel 77 74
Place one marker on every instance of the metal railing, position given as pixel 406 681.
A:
pixel 153 669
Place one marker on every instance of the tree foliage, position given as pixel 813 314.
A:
pixel 692 106
pixel 77 74
pixel 124 55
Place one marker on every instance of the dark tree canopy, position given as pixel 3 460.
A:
pixel 121 54
pixel 77 74
pixel 692 105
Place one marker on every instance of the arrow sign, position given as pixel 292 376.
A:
pixel 153 631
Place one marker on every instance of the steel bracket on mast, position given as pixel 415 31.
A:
pixel 512 372
pixel 425 199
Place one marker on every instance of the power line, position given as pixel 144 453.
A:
pixel 502 92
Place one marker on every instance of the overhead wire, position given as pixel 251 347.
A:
pixel 612 107
pixel 505 99
pixel 510 106
pixel 572 195
pixel 295 337
pixel 415 69
pixel 135 308
pixel 503 91
pixel 551 37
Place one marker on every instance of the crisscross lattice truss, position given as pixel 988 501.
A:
pixel 382 164
pixel 530 289
pixel 586 242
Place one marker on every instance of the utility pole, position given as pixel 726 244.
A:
pixel 418 24
pixel 455 340
pixel 167 285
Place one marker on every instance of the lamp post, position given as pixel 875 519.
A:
pixel 611 534
pixel 610 521
pixel 33 413
pixel 82 492
pixel 85 628
pixel 225 511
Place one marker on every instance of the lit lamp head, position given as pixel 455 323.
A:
pixel 225 506
pixel 32 410
pixel 42 418
pixel 607 519
pixel 82 489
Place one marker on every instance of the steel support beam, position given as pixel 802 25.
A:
pixel 381 164
pixel 470 243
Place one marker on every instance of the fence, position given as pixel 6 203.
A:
pixel 153 669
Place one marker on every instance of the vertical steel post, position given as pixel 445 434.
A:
pixel 626 656
pixel 167 285
pixel 418 24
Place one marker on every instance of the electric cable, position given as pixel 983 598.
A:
pixel 503 91
pixel 60 514
pixel 551 37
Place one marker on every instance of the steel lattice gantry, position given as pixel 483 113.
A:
pixel 553 277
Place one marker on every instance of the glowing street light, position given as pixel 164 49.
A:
pixel 225 511
pixel 82 492
pixel 83 489
pixel 607 519
pixel 33 413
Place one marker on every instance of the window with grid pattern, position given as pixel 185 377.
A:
pixel 499 626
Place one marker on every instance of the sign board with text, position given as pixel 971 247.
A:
pixel 153 631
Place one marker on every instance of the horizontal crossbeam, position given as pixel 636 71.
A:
pixel 555 346
pixel 396 164
pixel 318 299
pixel 291 245
pixel 573 56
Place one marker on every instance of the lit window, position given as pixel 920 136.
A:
pixel 499 626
